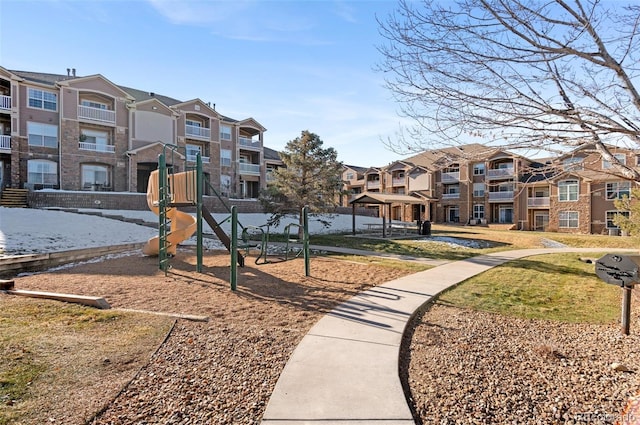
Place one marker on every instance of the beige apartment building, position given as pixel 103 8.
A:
pixel 86 133
pixel 479 185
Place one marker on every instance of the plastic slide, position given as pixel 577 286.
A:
pixel 183 225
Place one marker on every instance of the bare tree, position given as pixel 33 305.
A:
pixel 545 75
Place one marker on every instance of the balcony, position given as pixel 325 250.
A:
pixel 246 143
pixel 5 143
pixel 500 173
pixel 373 184
pixel 450 177
pixel 96 114
pixel 506 196
pixel 252 169
pixel 85 146
pixel 270 177
pixel 197 132
pixel 450 196
pixel 5 103
pixel 194 158
pixel 398 181
pixel 538 202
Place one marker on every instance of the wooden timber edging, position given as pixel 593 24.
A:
pixel 36 262
pixel 97 302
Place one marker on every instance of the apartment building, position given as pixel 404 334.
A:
pixel 475 185
pixel 70 132
pixel 353 179
pixel 576 192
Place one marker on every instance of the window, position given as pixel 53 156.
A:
pixel 572 164
pixel 225 132
pixel 616 190
pixel 611 216
pixel 453 168
pixel 95 176
pixel 622 158
pixel 568 190
pixel 478 211
pixel 40 171
pixel 349 176
pixel 478 169
pixel 225 157
pixel 194 123
pixel 42 134
pixel 478 190
pixel 193 151
pixel 568 219
pixel 505 187
pixel 43 100
pixel 92 104
pixel 452 188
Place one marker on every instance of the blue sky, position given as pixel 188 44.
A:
pixel 291 65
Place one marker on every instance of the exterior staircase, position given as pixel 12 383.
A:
pixel 15 198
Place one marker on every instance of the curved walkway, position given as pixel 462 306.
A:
pixel 345 370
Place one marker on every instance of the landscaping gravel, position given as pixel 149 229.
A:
pixel 468 367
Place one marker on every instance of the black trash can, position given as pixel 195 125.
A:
pixel 426 228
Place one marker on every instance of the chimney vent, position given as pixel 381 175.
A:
pixel 68 72
pixel 73 72
pixel 152 94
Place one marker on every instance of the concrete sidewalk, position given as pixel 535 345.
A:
pixel 345 370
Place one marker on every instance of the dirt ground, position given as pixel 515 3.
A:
pixel 220 371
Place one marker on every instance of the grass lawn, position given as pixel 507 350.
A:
pixel 552 287
pixel 38 336
pixel 491 240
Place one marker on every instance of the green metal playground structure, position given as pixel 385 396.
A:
pixel 251 237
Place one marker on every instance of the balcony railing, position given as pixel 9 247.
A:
pixel 373 184
pixel 501 196
pixel 5 143
pixel 245 142
pixel 398 181
pixel 450 177
pixel 540 201
pixel 245 168
pixel 500 173
pixel 194 158
pixel 5 102
pixel 450 196
pixel 96 114
pixel 199 132
pixel 270 176
pixel 97 148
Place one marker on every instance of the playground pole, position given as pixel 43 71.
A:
pixel 234 247
pixel 163 194
pixel 199 187
pixel 305 241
